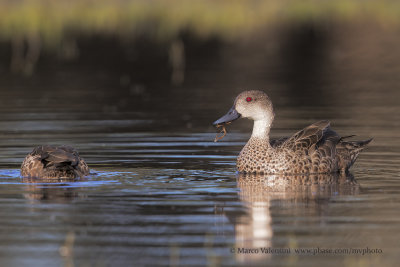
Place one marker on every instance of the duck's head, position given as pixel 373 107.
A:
pixel 254 105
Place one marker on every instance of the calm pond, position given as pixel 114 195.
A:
pixel 162 192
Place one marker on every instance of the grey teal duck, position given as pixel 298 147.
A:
pixel 54 162
pixel 315 149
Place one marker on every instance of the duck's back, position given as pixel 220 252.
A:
pixel 54 162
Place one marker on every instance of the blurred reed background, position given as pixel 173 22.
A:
pixel 32 28
pixel 54 21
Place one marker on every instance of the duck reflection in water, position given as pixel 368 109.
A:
pixel 261 194
pixel 56 190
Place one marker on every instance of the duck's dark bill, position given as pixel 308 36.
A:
pixel 228 117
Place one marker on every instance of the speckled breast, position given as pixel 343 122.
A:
pixel 259 157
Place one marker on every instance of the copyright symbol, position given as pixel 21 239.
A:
pixel 232 250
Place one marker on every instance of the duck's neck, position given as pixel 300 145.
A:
pixel 261 129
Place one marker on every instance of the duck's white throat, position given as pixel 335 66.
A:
pixel 261 128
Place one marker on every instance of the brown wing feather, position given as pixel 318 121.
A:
pixel 307 137
pixel 348 152
pixel 317 141
pixel 57 155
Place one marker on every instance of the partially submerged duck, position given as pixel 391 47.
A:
pixel 315 149
pixel 54 162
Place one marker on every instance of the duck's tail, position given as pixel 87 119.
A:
pixel 348 151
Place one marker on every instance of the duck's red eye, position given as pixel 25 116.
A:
pixel 248 99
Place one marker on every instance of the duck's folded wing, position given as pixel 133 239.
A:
pixel 55 155
pixel 61 156
pixel 69 149
pixel 309 136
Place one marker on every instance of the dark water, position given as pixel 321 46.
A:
pixel 163 193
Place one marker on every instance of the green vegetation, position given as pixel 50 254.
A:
pixel 55 20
